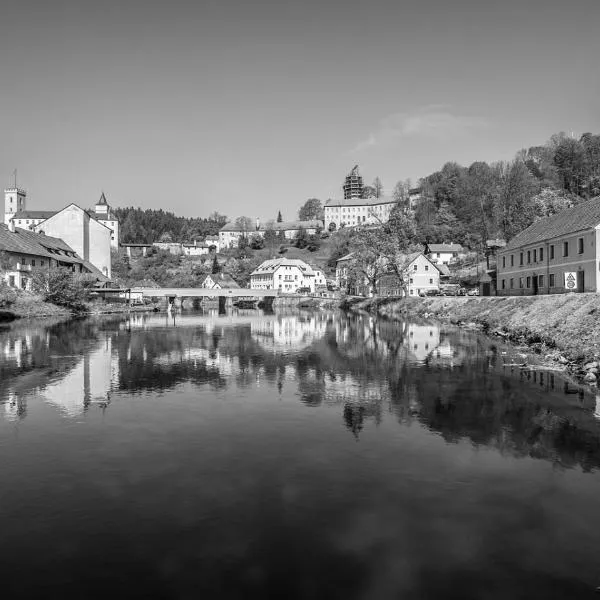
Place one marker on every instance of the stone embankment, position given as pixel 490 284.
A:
pixel 564 328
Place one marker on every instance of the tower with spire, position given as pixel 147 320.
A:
pixel 14 202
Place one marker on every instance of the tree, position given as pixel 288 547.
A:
pixel 368 191
pixel 279 217
pixel 301 240
pixel 60 287
pixel 257 242
pixel 216 267
pixel 311 210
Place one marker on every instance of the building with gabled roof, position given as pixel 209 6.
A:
pixel 90 238
pixel 554 255
pixel 220 281
pixel 284 274
pixel 444 253
pixel 26 252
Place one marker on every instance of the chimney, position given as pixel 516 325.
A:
pixel 11 225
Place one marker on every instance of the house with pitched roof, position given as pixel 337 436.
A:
pixel 220 281
pixel 90 238
pixel 25 252
pixel 284 274
pixel 444 254
pixel 554 255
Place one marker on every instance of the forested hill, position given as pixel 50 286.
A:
pixel 142 226
pixel 483 201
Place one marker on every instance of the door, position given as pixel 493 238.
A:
pixel 535 285
pixel 580 281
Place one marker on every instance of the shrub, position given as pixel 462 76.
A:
pixel 61 287
pixel 8 295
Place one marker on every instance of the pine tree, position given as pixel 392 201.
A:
pixel 279 217
pixel 216 267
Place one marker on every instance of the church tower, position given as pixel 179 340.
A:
pixel 353 185
pixel 14 202
pixel 102 208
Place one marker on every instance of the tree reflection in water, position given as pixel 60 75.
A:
pixel 450 381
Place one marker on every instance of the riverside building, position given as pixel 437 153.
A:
pixel 555 255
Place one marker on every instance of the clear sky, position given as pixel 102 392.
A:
pixel 250 107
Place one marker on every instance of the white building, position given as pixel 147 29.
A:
pixel 444 254
pixel 284 274
pixel 422 275
pixel 90 239
pixel 230 233
pixel 15 210
pixel 351 212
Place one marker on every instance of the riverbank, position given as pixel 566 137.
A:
pixel 564 328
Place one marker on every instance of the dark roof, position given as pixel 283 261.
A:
pixel 34 214
pixel 571 220
pixel 445 248
pixel 360 201
pixel 23 241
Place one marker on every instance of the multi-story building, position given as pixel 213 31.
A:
pixel 25 252
pixel 230 233
pixel 555 255
pixel 284 274
pixel 90 238
pixel 15 210
pixel 444 254
pixel 421 275
pixel 351 212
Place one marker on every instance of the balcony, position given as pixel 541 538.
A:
pixel 22 267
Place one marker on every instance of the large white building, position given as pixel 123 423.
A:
pixel 351 212
pixel 284 274
pixel 15 209
pixel 230 233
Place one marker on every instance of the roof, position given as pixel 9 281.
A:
pixel 345 258
pixel 102 200
pixel 91 214
pixel 585 215
pixel 34 214
pixel 224 280
pixel 445 248
pixel 270 266
pixel 360 201
pixel 283 226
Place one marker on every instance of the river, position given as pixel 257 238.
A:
pixel 293 456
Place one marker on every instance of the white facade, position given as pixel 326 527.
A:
pixel 352 212
pixel 320 279
pixel 90 239
pixel 284 274
pixel 422 275
pixel 445 254
pixel 14 202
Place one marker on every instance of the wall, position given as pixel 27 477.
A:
pixel 533 277
pixel 99 247
pixel 425 277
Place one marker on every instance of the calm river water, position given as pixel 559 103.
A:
pixel 290 456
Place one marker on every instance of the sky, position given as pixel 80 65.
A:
pixel 251 107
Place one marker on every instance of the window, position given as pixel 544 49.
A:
pixel 565 248
pixel 541 254
pixel 521 259
pixel 512 283
pixel 512 260
pixel 427 267
pixel 521 282
pixel 33 262
pixel 431 281
pixel 540 281
pixel 414 267
pixel 528 256
pixel 528 282
pixel 551 280
pixel 552 252
pixel 41 263
pixel 411 280
pixel 504 262
pixel 535 256
pixel 580 246
pixel 504 284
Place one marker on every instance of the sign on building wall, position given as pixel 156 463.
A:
pixel 571 280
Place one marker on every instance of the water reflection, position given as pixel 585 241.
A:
pixel 452 382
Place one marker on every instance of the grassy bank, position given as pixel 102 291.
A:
pixel 564 327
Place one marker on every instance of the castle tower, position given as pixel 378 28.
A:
pixel 14 202
pixel 353 185
pixel 102 208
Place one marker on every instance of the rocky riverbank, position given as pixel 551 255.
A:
pixel 563 328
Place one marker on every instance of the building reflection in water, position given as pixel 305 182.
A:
pixel 450 381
